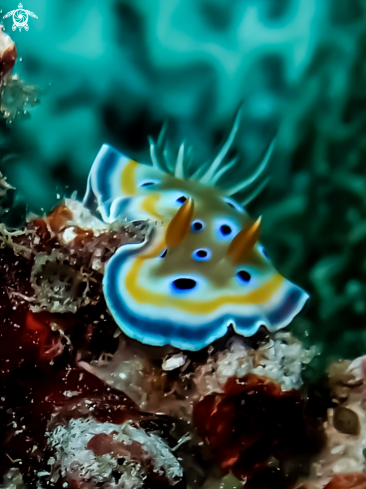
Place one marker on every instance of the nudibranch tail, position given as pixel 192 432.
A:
pixel 244 242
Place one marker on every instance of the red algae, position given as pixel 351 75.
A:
pixel 251 428
pixel 59 217
pixel 102 444
pixel 40 376
pixel 347 481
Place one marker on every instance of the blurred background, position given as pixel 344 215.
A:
pixel 114 70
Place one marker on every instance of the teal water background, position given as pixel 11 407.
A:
pixel 114 71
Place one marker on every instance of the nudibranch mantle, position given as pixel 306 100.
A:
pixel 200 269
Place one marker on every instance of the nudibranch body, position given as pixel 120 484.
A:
pixel 200 269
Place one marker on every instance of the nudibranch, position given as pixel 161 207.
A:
pixel 201 268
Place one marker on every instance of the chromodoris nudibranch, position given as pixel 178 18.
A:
pixel 201 268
